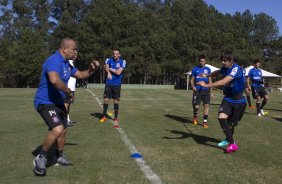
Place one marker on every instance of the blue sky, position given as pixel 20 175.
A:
pixel 272 8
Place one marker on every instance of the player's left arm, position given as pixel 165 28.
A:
pixel 120 70
pixel 94 65
pixel 117 72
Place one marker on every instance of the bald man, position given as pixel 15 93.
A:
pixel 50 97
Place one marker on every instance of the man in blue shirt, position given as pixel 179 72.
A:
pixel 50 97
pixel 233 104
pixel 114 67
pixel 258 90
pixel 201 93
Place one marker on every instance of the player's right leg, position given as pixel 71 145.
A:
pixel 107 96
pixel 105 109
pixel 196 101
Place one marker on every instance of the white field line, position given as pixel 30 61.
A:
pixel 149 173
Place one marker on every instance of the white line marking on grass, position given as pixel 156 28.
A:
pixel 149 173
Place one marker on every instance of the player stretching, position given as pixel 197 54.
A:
pixel 201 93
pixel 114 67
pixel 233 104
pixel 258 90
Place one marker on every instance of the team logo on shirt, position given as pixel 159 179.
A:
pixel 259 73
pixel 206 72
pixel 234 71
pixel 117 65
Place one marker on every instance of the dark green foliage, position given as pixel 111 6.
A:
pixel 160 40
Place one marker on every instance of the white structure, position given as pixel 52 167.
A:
pixel 207 65
pixel 264 73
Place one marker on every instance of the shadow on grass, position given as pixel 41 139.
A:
pixel 214 103
pixel 52 155
pixel 278 119
pixel 198 138
pixel 178 118
pixel 279 110
pixel 96 115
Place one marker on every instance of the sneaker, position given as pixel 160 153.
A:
pixel 70 124
pixel 259 114
pixel 232 148
pixel 116 123
pixel 252 107
pixel 62 160
pixel 39 165
pixel 103 119
pixel 262 112
pixel 195 121
pixel 205 124
pixel 223 143
pixel 73 122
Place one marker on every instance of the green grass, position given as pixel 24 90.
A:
pixel 158 122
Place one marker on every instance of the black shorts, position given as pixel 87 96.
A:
pixel 235 111
pixel 258 92
pixel 203 95
pixel 53 114
pixel 112 92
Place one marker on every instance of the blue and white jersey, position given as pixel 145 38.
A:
pixel 46 92
pixel 115 65
pixel 244 71
pixel 256 77
pixel 196 72
pixel 233 92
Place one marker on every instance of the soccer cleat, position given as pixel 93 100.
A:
pixel 62 160
pixel 103 119
pixel 252 107
pixel 259 114
pixel 195 121
pixel 232 148
pixel 262 112
pixel 223 143
pixel 39 165
pixel 205 124
pixel 116 123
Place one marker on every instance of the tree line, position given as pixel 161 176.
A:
pixel 159 39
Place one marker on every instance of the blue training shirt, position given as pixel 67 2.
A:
pixel 256 77
pixel 115 65
pixel 196 74
pixel 46 92
pixel 233 92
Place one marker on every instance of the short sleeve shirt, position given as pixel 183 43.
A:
pixel 256 77
pixel 46 92
pixel 196 73
pixel 115 65
pixel 235 88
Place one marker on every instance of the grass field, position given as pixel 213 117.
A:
pixel 158 122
